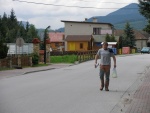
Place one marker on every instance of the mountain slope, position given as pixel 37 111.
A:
pixel 129 13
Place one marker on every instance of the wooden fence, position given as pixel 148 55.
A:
pixel 86 55
pixel 12 61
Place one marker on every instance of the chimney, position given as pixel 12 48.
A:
pixel 94 19
pixel 86 19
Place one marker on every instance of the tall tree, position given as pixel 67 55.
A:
pixel 112 38
pixel 32 33
pixel 144 9
pixel 3 49
pixel 11 28
pixel 107 38
pixel 128 37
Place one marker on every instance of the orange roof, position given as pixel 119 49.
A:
pixel 56 37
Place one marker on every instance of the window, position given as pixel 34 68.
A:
pixel 81 45
pixel 56 44
pixel 96 31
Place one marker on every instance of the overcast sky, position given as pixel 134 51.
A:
pixel 46 12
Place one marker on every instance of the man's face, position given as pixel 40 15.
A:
pixel 105 46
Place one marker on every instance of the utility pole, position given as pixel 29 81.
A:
pixel 45 36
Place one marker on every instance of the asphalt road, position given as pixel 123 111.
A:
pixel 73 89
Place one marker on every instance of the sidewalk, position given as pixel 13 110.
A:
pixel 137 98
pixel 16 72
pixel 141 98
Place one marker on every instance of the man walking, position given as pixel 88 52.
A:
pixel 105 63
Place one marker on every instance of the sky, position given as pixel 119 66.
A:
pixel 43 13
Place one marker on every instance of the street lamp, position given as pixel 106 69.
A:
pixel 45 35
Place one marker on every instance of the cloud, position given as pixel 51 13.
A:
pixel 43 15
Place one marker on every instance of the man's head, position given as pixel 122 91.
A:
pixel 105 45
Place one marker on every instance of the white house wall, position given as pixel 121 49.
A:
pixel 83 28
pixel 141 43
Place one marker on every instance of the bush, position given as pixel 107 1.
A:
pixel 35 58
pixel 3 50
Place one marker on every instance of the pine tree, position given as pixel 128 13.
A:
pixel 144 9
pixel 32 33
pixel 3 50
pixel 128 37
pixel 107 38
pixel 10 29
pixel 120 42
pixel 112 38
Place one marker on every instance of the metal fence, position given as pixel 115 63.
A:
pixel 27 48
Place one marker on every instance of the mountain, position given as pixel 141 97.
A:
pixel 129 13
pixel 118 18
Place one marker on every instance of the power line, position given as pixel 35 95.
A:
pixel 65 5
pixel 101 2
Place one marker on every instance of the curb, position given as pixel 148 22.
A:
pixel 37 71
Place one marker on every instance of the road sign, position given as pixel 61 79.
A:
pixel 19 42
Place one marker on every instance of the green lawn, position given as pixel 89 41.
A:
pixel 63 59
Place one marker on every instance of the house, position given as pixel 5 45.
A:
pixel 141 37
pixel 84 35
pixel 56 41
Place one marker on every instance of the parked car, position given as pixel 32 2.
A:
pixel 145 50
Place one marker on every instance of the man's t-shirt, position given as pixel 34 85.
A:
pixel 105 56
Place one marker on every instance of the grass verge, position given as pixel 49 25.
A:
pixel 63 59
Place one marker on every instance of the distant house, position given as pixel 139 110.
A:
pixel 83 35
pixel 141 37
pixel 56 41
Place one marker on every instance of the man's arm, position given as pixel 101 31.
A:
pixel 96 58
pixel 114 58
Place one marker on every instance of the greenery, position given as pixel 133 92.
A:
pixel 128 38
pixel 11 28
pixel 3 50
pixel 119 45
pixel 63 59
pixel 110 38
pixel 35 58
pixel 144 9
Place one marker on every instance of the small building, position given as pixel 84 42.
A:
pixel 56 41
pixel 83 35
pixel 79 42
pixel 141 37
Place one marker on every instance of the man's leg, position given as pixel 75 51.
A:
pixel 107 74
pixel 101 74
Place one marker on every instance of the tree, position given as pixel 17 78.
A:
pixel 3 50
pixel 120 42
pixel 107 38
pixel 11 28
pixel 112 38
pixel 32 33
pixel 128 37
pixel 144 9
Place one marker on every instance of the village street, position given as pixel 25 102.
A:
pixel 74 89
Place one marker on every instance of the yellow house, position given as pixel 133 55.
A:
pixel 79 42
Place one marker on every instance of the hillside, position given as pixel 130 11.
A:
pixel 119 18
